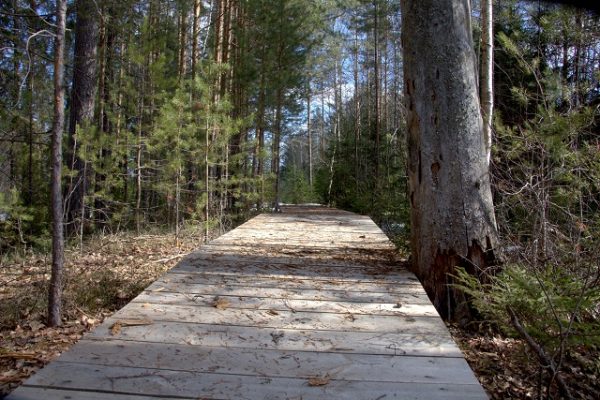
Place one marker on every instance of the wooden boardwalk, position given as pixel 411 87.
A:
pixel 306 304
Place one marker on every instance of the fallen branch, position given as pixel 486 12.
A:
pixel 164 260
pixel 20 356
pixel 541 354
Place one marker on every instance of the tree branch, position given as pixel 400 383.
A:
pixel 541 354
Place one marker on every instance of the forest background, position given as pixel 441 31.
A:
pixel 189 116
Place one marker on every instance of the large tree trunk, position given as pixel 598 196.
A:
pixel 83 95
pixel 55 292
pixel 452 215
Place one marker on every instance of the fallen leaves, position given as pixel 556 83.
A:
pixel 221 303
pixel 506 369
pixel 319 380
pixel 99 280
pixel 115 328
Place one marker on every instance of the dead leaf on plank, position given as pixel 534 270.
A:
pixel 115 328
pixel 319 380
pixel 221 303
pixel 272 312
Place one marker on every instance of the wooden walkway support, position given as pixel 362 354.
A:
pixel 305 304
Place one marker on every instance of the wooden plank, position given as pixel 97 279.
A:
pixel 404 307
pixel 403 286
pixel 425 344
pixel 273 363
pixel 286 293
pixel 305 235
pixel 324 227
pixel 338 245
pixel 39 393
pixel 372 260
pixel 207 260
pixel 282 319
pixel 243 272
pixel 146 381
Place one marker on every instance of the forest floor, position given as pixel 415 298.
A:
pixel 508 369
pixel 109 272
pixel 112 270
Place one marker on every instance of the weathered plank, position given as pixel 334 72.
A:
pixel 372 263
pixel 148 381
pixel 426 344
pixel 403 307
pixel 42 393
pixel 251 273
pixel 403 287
pixel 282 319
pixel 248 273
pixel 273 363
pixel 307 304
pixel 289 293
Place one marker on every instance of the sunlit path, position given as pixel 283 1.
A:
pixel 305 304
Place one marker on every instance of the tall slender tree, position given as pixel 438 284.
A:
pixel 55 292
pixel 487 73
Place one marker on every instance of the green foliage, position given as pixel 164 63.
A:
pixel 15 220
pixel 295 188
pixel 555 307
pixel 545 173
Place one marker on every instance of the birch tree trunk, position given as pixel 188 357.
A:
pixel 55 292
pixel 309 134
pixel 487 73
pixel 452 215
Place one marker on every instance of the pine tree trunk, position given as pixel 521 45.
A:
pixel 376 109
pixel 83 95
pixel 55 292
pixel 277 145
pixel 196 36
pixel 309 134
pixel 356 113
pixel 452 215
pixel 182 43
